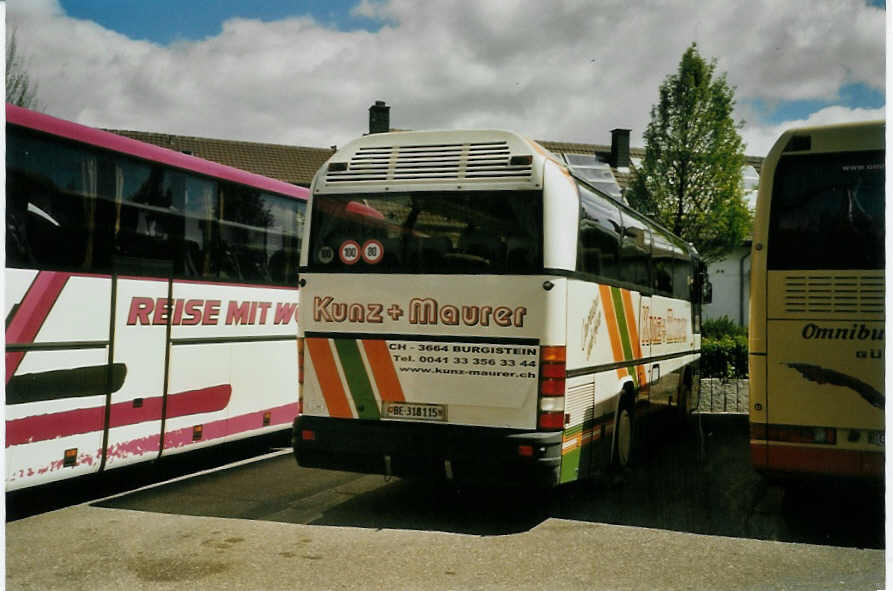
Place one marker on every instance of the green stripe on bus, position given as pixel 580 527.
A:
pixel 357 378
pixel 570 466
pixel 617 299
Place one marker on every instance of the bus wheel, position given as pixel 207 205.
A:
pixel 623 440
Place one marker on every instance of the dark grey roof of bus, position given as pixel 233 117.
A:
pixel 298 164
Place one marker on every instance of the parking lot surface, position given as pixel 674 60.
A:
pixel 690 515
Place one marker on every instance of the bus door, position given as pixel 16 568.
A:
pixel 199 381
pixel 135 412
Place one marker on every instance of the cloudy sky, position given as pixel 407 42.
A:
pixel 305 72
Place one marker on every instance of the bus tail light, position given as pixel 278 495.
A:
pixel 553 370
pixel 553 374
pixel 551 420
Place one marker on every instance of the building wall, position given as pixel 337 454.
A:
pixel 731 287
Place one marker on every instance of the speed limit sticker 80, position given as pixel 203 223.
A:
pixel 372 251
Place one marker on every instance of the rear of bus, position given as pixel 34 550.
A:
pixel 428 319
pixel 817 305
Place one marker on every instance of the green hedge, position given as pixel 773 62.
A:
pixel 716 328
pixel 723 349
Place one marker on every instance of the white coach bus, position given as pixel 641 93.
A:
pixel 472 310
pixel 143 289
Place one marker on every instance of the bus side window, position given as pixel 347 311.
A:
pixel 260 235
pixel 243 225
pixel 671 266
pixel 635 252
pixel 598 241
pixel 55 218
pixel 663 262
pixel 200 229
pixel 283 242
pixel 149 223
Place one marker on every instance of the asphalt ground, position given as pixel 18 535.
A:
pixel 691 514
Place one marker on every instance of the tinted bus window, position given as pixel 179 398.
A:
pixel 671 266
pixel 259 236
pixel 599 235
pixel 635 251
pixel 149 221
pixel 54 218
pixel 827 212
pixel 200 210
pixel 284 238
pixel 428 232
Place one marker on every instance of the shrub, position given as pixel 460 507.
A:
pixel 724 357
pixel 716 328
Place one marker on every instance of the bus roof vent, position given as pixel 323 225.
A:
pixel 454 163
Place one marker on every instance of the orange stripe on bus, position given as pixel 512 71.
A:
pixel 613 331
pixel 633 333
pixel 329 380
pixel 383 371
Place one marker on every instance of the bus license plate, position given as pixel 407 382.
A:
pixel 414 411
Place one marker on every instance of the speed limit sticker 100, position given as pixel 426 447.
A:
pixel 349 252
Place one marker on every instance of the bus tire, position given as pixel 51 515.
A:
pixel 624 431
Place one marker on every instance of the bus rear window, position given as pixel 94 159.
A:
pixel 489 232
pixel 827 212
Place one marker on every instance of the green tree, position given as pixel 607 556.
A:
pixel 690 178
pixel 20 89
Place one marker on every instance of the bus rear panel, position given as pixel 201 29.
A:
pixel 817 332
pixel 446 330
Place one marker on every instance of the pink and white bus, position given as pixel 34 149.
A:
pixel 151 301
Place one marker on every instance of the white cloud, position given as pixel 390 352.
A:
pixel 571 72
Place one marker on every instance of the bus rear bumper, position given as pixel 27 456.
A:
pixel 781 460
pixel 449 452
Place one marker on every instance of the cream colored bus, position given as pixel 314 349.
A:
pixel 472 310
pixel 817 304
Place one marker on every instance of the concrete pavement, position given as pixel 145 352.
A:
pixel 93 548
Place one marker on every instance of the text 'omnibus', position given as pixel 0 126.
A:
pixel 472 311
pixel 817 304
pixel 151 301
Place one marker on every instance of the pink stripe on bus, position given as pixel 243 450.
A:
pixel 280 415
pixel 252 421
pixel 110 141
pixel 32 313
pixel 89 420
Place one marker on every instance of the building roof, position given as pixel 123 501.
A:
pixel 292 164
pixel 298 164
